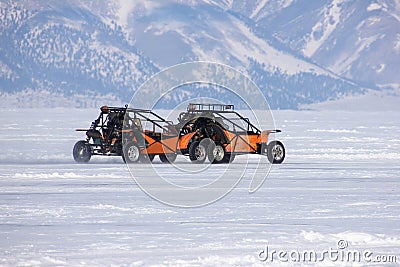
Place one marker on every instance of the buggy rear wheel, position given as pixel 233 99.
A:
pixel 151 157
pixel 82 152
pixel 228 158
pixel 216 153
pixel 146 158
pixel 167 158
pixel 276 152
pixel 131 153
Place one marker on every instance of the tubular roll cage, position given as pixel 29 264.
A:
pixel 145 115
pixel 221 109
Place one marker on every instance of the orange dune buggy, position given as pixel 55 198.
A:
pixel 219 133
pixel 120 132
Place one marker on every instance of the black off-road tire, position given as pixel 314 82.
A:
pixel 229 158
pixel 151 157
pixel 276 152
pixel 216 153
pixel 198 151
pixel 82 152
pixel 146 158
pixel 132 153
pixel 167 158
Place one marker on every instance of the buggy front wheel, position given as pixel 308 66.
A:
pixel 82 152
pixel 276 152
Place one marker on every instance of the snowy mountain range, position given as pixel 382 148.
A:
pixel 297 51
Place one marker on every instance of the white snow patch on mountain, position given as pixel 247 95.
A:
pixel 258 8
pixel 252 46
pixel 395 13
pixel 374 6
pixel 323 29
pixel 346 59
pixel 380 68
pixel 397 44
pixel 124 10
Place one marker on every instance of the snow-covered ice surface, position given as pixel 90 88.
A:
pixel 340 181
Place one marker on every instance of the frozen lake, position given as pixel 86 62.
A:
pixel 339 182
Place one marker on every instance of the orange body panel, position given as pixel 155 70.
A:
pixel 184 141
pixel 245 143
pixel 165 146
pixel 264 136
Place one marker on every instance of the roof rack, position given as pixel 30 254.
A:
pixel 210 107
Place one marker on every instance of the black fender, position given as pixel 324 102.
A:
pixel 216 132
